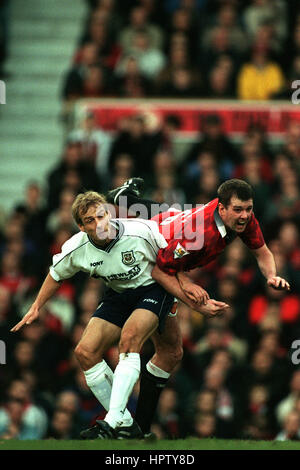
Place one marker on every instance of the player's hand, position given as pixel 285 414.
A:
pixel 278 283
pixel 195 293
pixel 213 308
pixel 30 316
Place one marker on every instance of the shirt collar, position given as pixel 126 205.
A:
pixel 219 223
pixel 117 224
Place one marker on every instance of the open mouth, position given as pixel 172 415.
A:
pixel 241 224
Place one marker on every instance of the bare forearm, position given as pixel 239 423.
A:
pixel 183 279
pixel 170 284
pixel 267 264
pixel 48 289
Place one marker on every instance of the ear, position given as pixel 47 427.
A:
pixel 108 214
pixel 221 207
pixel 81 228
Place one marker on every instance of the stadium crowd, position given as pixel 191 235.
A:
pixel 187 48
pixel 239 376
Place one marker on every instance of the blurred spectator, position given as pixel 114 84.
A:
pixel 73 86
pixel 220 336
pixel 259 78
pixel 294 46
pixel 226 18
pixel 205 425
pixel 150 59
pixel 182 84
pixel 183 21
pixel 100 32
pixel 256 429
pixel 138 19
pixel 88 81
pixel 95 144
pixel 61 426
pixel 264 370
pixel 258 411
pixel 130 81
pixel 71 172
pixel 34 212
pixel 178 58
pixel 219 46
pixel 62 216
pixel 213 140
pixel 291 428
pixel 260 11
pixel 167 418
pixel 12 276
pixel 166 191
pixel 205 188
pixel 20 418
pixel 215 380
pixel 287 404
pixel 135 140
pixel 220 83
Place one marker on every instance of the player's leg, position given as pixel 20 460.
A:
pixel 128 200
pixel 138 328
pixel 168 353
pixel 97 338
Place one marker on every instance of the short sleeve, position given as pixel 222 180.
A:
pixel 252 236
pixel 62 267
pixel 175 258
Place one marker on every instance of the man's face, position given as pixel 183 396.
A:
pixel 237 214
pixel 95 222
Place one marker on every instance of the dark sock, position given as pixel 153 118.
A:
pixel 150 390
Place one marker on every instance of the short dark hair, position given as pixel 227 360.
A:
pixel 234 187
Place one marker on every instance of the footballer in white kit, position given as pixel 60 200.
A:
pixel 122 252
pixel 124 265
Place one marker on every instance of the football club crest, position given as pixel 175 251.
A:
pixel 179 252
pixel 128 257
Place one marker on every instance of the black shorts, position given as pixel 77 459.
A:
pixel 117 307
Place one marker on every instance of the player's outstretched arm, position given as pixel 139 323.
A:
pixel 47 290
pixel 192 291
pixel 171 284
pixel 266 263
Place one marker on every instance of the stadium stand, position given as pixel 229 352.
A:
pixel 72 74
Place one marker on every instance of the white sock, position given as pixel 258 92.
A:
pixel 99 379
pixel 126 374
pixel 157 371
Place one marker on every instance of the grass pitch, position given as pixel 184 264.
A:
pixel 128 445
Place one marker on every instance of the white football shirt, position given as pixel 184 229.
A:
pixel 126 263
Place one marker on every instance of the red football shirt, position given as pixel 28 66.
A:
pixel 197 236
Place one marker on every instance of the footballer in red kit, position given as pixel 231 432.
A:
pixel 195 237
pixel 198 236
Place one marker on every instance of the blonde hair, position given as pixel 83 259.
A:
pixel 83 202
